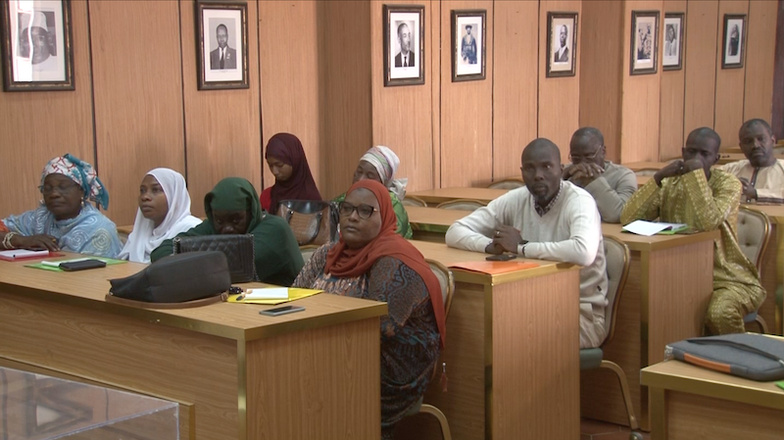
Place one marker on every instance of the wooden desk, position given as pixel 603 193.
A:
pixel 439 195
pixel 512 352
pixel 666 295
pixel 772 266
pixel 430 223
pixel 640 166
pixel 689 402
pixel 236 374
pixel 642 180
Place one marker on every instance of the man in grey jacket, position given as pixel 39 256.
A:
pixel 610 185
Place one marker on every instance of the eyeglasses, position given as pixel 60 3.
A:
pixel 63 188
pixel 363 211
pixel 578 158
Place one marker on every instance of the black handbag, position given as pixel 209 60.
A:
pixel 312 221
pixel 238 249
pixel 175 279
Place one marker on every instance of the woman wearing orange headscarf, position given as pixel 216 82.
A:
pixel 371 261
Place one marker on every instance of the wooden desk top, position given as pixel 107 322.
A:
pixel 432 219
pixel 639 166
pixel 642 180
pixel 775 212
pixel 438 195
pixel 234 321
pixel 680 376
pixel 655 242
pixel 449 256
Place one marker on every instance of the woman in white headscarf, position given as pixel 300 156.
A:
pixel 380 163
pixel 164 211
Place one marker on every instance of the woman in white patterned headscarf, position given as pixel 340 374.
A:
pixel 66 219
pixel 380 163
pixel 164 211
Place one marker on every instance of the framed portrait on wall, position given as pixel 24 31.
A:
pixel 672 45
pixel 222 45
pixel 468 45
pixel 404 45
pixel 561 43
pixel 644 44
pixel 37 52
pixel 734 41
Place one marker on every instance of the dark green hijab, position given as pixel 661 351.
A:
pixel 234 194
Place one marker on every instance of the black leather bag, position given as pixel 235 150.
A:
pixel 312 221
pixel 176 279
pixel 238 249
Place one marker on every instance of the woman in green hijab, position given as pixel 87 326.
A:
pixel 233 207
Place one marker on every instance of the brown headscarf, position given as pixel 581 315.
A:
pixel 300 186
pixel 345 262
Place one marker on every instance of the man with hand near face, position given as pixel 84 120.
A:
pixel 761 174
pixel 549 219
pixel 610 185
pixel 689 191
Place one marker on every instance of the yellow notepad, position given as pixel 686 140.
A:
pixel 294 293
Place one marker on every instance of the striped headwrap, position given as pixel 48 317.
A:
pixel 82 173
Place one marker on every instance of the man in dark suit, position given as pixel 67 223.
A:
pixel 404 58
pixel 561 55
pixel 223 57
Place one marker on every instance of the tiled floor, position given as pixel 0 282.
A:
pixel 596 430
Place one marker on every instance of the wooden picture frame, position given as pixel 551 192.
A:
pixel 561 56
pixel 672 41
pixel 45 64
pixel 222 45
pixel 404 45
pixel 734 41
pixel 644 44
pixel 469 33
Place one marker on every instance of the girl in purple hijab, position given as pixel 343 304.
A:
pixel 293 180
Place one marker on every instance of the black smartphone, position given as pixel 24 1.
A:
pixel 71 266
pixel 277 311
pixel 501 257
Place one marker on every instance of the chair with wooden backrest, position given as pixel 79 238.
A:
pixel 413 201
pixel 447 282
pixel 646 172
pixel 307 251
pixel 753 237
pixel 507 184
pixel 618 260
pixel 462 204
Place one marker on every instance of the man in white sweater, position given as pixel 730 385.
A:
pixel 548 219
pixel 761 173
pixel 610 185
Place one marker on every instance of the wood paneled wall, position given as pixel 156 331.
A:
pixel 316 70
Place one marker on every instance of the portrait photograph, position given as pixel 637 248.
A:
pixel 644 44
pixel 672 41
pixel 37 52
pixel 222 45
pixel 404 51
pixel 561 43
pixel 468 45
pixel 734 40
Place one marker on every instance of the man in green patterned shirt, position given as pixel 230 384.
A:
pixel 689 191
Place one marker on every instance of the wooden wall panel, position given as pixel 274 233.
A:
pixel 402 116
pixel 672 94
pixel 515 80
pixel 345 105
pixel 640 105
pixel 289 61
pixel 222 128
pixel 559 98
pixel 37 126
pixel 602 44
pixel 700 64
pixel 760 60
pixel 466 109
pixel 138 95
pixel 729 82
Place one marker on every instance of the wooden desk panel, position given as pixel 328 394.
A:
pixel 639 166
pixel 439 195
pixel 500 331
pixel 665 299
pixel 689 402
pixel 214 359
pixel 430 224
